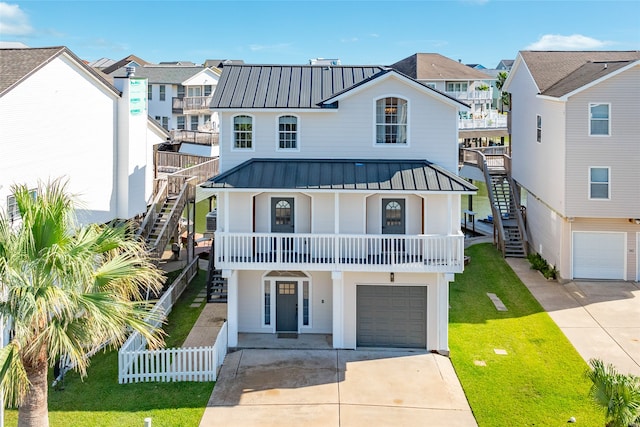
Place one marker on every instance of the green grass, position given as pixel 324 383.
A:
pixel 541 381
pixel 99 400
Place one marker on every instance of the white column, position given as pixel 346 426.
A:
pixel 443 314
pixel 338 309
pixel 232 306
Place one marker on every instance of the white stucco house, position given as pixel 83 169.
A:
pixel 338 204
pixel 95 134
pixel 576 155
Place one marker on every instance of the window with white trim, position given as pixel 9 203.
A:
pixel 267 303
pixel 457 86
pixel 13 212
pixel 194 123
pixel 599 119
pixel 208 89
pixel 181 122
pixel 163 92
pixel 150 92
pixel 165 122
pixel 305 302
pixel 180 91
pixel 538 128
pixel 242 132
pixel 287 132
pixel 391 120
pixel 599 183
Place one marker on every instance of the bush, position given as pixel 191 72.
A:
pixel 541 264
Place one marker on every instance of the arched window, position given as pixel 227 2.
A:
pixel 288 132
pixel 393 214
pixel 391 121
pixel 283 213
pixel 242 132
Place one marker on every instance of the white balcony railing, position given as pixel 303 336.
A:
pixel 340 252
pixel 472 95
pixel 497 121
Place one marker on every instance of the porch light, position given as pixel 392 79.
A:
pixel 392 277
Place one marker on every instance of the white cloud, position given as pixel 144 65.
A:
pixel 272 47
pixel 13 20
pixel 349 40
pixel 572 42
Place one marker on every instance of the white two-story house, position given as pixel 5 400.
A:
pixel 337 204
pixel 95 134
pixel 576 153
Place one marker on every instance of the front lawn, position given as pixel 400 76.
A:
pixel 540 381
pixel 100 401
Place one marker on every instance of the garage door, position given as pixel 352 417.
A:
pixel 598 255
pixel 391 316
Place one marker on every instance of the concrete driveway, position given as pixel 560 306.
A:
pixel 260 387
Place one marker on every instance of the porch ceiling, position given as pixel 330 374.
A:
pixel 344 174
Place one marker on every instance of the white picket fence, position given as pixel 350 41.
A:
pixel 174 364
pixel 138 364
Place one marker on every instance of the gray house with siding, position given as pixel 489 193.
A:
pixel 576 155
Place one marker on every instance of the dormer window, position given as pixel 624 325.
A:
pixel 391 121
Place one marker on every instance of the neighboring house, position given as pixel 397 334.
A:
pixel 179 96
pixel 461 82
pixel 129 61
pixel 505 65
pixel 95 134
pixel 338 204
pixel 576 153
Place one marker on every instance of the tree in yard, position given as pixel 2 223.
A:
pixel 504 96
pixel 617 394
pixel 65 289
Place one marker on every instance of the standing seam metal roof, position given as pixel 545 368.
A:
pixel 285 86
pixel 343 174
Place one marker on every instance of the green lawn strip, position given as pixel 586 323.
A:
pixel 541 379
pixel 99 400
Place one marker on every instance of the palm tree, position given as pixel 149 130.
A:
pixel 618 394
pixel 66 289
pixel 504 96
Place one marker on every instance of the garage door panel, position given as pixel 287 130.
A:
pixel 598 255
pixel 391 316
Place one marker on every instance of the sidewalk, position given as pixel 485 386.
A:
pixel 600 318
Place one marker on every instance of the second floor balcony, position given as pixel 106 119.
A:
pixel 191 104
pixel 340 252
pixel 472 95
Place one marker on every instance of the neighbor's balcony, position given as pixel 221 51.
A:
pixel 191 104
pixel 340 252
pixel 498 121
pixel 472 95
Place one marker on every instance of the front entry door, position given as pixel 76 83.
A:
pixel 282 215
pixel 286 307
pixel 393 216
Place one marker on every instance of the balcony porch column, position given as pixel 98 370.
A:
pixel 232 306
pixel 442 297
pixel 338 309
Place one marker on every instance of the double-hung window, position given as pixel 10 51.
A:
pixel 208 89
pixel 163 92
pixel 181 122
pixel 194 123
pixel 391 121
pixel 150 92
pixel 242 132
pixel 599 115
pixel 599 183
pixel 287 132
pixel 538 128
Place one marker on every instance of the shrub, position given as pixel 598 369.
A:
pixel 541 264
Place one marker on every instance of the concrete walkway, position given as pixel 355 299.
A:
pixel 332 388
pixel 600 318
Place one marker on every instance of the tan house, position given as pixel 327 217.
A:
pixel 576 155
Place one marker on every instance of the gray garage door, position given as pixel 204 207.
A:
pixel 391 316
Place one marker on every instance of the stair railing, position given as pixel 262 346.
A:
pixel 152 213
pixel 497 215
pixel 519 218
pixel 187 193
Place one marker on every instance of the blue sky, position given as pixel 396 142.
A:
pixel 292 32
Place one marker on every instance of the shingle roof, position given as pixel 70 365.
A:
pixel 584 75
pixel 124 61
pixel 433 66
pixel 549 67
pixel 18 64
pixel 170 74
pixel 365 175
pixel 285 86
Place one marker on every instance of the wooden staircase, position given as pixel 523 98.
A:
pixel 162 217
pixel 506 207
